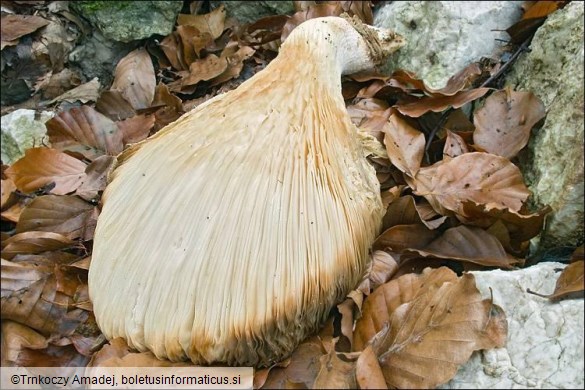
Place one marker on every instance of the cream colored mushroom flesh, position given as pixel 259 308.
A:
pixel 229 235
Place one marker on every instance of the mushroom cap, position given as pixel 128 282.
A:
pixel 228 236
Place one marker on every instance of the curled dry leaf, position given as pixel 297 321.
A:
pixel 67 215
pixel 468 244
pixel 400 237
pixel 504 122
pixel 84 93
pixel 405 211
pixel 15 338
pixel 84 130
pixel 482 178
pixel 405 145
pixel 34 242
pixel 336 373
pixel 440 103
pixel 8 199
pixel 383 267
pixel 570 283
pixel 205 69
pixel 455 146
pixel 16 26
pixel 212 23
pixel 42 166
pixel 426 339
pixel 135 79
pixel 96 178
pixel 368 372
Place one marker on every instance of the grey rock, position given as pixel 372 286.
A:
pixel 20 131
pixel 545 339
pixel 127 21
pixel 443 37
pixel 553 163
pixel 250 11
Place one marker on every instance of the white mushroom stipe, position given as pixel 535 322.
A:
pixel 228 236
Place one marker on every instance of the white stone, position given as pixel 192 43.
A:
pixel 545 339
pixel 21 131
pixel 443 37
pixel 553 166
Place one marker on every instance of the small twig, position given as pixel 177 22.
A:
pixel 512 59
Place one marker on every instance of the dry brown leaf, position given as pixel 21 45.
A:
pixel 42 166
pixel 570 283
pixel 440 103
pixel 469 244
pixel 16 26
pixel 96 178
pixel 67 215
pixel 379 306
pixel 384 266
pixel 113 105
pixel 88 92
pixel 135 79
pixel 86 131
pixel 455 146
pixel 400 237
pixel 34 242
pixel 171 107
pixel 577 255
pixel 235 63
pixel 30 296
pixel 431 336
pixel 13 212
pixel 8 199
pixel 211 23
pixel 303 366
pixel 368 372
pixel 336 373
pixel 405 145
pixel 482 178
pixel 504 123
pixel 15 338
pixel 137 128
pixel 205 69
pixel 405 211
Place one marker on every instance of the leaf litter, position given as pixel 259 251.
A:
pixel 453 198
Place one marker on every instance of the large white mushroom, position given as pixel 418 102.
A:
pixel 228 236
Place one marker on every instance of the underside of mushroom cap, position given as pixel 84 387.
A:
pixel 229 235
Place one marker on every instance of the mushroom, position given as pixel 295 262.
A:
pixel 228 236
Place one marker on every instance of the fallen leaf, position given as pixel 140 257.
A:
pixel 405 145
pixel 400 237
pixel 570 284
pixel 136 129
pixel 504 122
pixel 86 131
pixel 211 23
pixel 88 92
pixel 482 178
pixel 205 69
pixel 42 166
pixel 8 199
pixel 468 244
pixel 113 105
pixel 335 373
pixel 440 103
pixel 454 146
pixel 405 211
pixel 66 215
pixel 135 79
pixel 428 338
pixel 383 268
pixel 96 178
pixel 34 242
pixel 16 26
pixel 368 372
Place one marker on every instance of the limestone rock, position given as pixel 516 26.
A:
pixel 21 131
pixel 444 37
pixel 127 21
pixel 553 164
pixel 545 339
pixel 250 11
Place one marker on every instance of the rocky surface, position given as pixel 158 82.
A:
pixel 553 164
pixel 445 36
pixel 126 21
pixel 251 11
pixel 545 339
pixel 21 130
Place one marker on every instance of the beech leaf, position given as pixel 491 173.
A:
pixel 504 122
pixel 482 178
pixel 405 145
pixel 135 79
pixel 42 166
